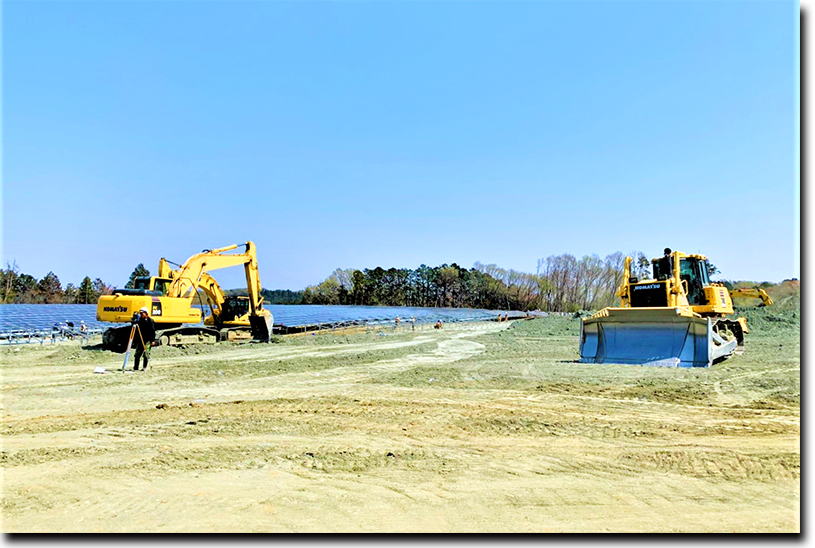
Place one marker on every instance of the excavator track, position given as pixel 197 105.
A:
pixel 181 336
pixel 115 338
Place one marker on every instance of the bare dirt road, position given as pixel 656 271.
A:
pixel 488 427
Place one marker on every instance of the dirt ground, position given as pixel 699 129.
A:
pixel 486 427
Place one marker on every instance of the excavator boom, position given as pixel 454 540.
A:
pixel 757 292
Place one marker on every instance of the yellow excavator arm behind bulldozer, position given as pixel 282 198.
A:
pixel 757 292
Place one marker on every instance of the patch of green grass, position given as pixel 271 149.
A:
pixel 57 354
pixel 542 355
pixel 443 375
pixel 770 320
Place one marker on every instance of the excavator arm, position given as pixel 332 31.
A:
pixel 754 292
pixel 194 275
pixel 164 270
pixel 253 285
pixel 191 275
pixel 215 296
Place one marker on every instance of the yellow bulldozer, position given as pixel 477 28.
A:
pixel 675 318
pixel 171 298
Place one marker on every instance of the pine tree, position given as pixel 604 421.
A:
pixel 50 289
pixel 101 288
pixel 86 293
pixel 137 273
pixel 71 294
pixel 25 289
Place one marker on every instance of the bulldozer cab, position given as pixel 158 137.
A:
pixel 693 275
pixel 694 272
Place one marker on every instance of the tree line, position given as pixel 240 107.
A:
pixel 562 283
pixel 278 296
pixel 19 288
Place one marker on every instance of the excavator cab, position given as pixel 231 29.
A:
pixel 234 308
pixel 152 283
pixel 142 282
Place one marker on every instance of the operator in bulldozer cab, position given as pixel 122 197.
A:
pixel 665 266
pixel 694 273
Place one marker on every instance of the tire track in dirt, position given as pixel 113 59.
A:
pixel 648 403
pixel 342 379
pixel 269 352
pixel 625 402
pixel 118 396
pixel 333 380
pixel 717 386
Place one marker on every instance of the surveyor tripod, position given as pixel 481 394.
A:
pixel 133 331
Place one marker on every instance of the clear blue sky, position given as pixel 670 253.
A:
pixel 364 134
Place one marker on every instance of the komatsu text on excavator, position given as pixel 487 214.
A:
pixel 676 318
pixel 172 295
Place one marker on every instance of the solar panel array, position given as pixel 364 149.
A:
pixel 44 316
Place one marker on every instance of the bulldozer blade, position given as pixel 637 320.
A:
pixel 662 337
pixel 261 326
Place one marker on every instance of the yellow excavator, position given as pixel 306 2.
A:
pixel 756 292
pixel 171 297
pixel 675 318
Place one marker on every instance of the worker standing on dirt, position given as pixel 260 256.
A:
pixel 146 334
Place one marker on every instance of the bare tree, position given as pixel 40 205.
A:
pixel 9 281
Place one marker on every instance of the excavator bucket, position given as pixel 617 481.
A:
pixel 261 325
pixel 663 337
